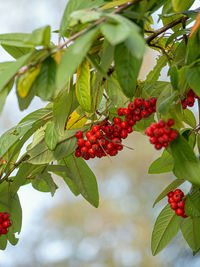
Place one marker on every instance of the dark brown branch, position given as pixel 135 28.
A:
pixel 165 28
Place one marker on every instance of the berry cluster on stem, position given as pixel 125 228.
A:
pixel 161 133
pixel 5 223
pixel 106 139
pixel 175 198
pixel 189 99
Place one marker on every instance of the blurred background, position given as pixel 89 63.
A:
pixel 65 231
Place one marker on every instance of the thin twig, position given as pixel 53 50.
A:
pixel 24 158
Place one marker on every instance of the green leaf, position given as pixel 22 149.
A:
pixel 166 227
pixel 74 5
pixel 40 36
pixel 20 178
pixel 192 204
pixel 73 56
pixel 186 165
pixel 189 118
pixel 45 84
pixel 26 80
pixel 179 5
pixel 169 188
pixel 83 93
pixel 15 133
pixel 3 95
pixel 3 242
pixel 136 44
pixel 16 51
pixel 190 230
pixel 127 69
pixel 193 78
pixel 15 40
pixel 40 154
pixel 115 33
pixel 83 16
pixel 165 100
pixel 51 136
pixel 61 108
pixel 155 73
pixel 162 164
pixel 84 179
pixel 44 183
pixel 9 73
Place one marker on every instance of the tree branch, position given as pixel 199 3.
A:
pixel 24 158
pixel 165 28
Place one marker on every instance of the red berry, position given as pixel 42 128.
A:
pixel 165 144
pixel 184 105
pixel 124 134
pixel 144 114
pixel 91 151
pixel 179 212
pixel 84 150
pixel 181 204
pixel 88 134
pixel 95 128
pixel 138 102
pixel 173 134
pixel 116 141
pixel 129 129
pixel 92 139
pixel 153 101
pixel 184 215
pixel 109 129
pixel 88 144
pixel 99 134
pixel 170 194
pixel 81 142
pixel 190 93
pixel 4 231
pixel 153 126
pixel 167 130
pixel 147 103
pixel 79 134
pixel 120 111
pixel 131 106
pixel 77 153
pixel 176 197
pixel 170 122
pixel 126 111
pixel 161 124
pixel 161 140
pixel 158 146
pixel 149 131
pixel 137 111
pixel 117 120
pixel 124 124
pixel 5 216
pixel 170 200
pixel 102 142
pixel 110 146
pixel 179 191
pixel 153 140
pixel 131 122
pixel 117 127
pixel 173 205
pixel 5 224
pixel 165 138
pixel 137 118
pixel 119 147
pixel 190 101
pixel 95 147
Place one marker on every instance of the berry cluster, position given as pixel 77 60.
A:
pixel 189 99
pixel 176 202
pixel 161 133
pixel 4 223
pixel 102 140
pixel 140 108
pixel 105 139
